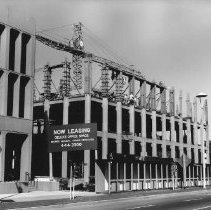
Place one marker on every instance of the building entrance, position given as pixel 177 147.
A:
pixel 14 144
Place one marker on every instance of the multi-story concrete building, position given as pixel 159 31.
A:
pixel 142 130
pixel 17 54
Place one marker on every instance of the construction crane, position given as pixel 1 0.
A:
pixel 75 47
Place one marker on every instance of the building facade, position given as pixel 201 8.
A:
pixel 17 54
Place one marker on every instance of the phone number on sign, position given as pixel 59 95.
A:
pixel 72 145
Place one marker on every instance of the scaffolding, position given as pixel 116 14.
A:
pixel 77 42
pixel 104 81
pixel 65 88
pixel 47 82
pixel 119 87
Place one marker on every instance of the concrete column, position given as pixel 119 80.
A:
pixel 163 126
pixel 28 103
pixel 131 175
pixel 164 155
pixel 201 172
pixel 207 145
pixel 195 133
pixel 154 134
pixel 132 129
pixel 3 93
pixel 193 175
pixel 163 100
pixel 189 152
pixel 105 129
pixel 197 174
pixel 161 173
pixel 30 51
pixel 152 97
pixel 173 151
pixel 65 122
pixel 201 135
pixel 4 48
pixel 88 75
pixel 117 176
pixel 47 112
pixel 144 168
pixel 181 150
pixel 2 154
pixel 154 126
pixel 138 174
pixel 119 127
pixel 18 44
pixel 154 149
pixel 143 123
pixel 150 175
pixel 188 132
pixel 26 153
pixel 172 121
pixel 124 177
pixel 16 97
pixel 30 56
pixel 143 94
pixel 189 177
pixel 47 107
pixel 196 155
pixel 156 176
pixel 167 176
pixel 180 103
pixel 180 130
pixel 143 149
pixel 87 152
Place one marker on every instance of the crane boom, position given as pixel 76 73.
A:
pixel 111 64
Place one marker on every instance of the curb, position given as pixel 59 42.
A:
pixel 8 204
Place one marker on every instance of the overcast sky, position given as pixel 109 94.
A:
pixel 169 40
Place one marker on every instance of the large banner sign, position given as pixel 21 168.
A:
pixel 72 137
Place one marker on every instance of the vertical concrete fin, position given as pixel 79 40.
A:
pixel 2 154
pixel 119 80
pixel 88 74
pixel 163 100
pixel 87 152
pixel 65 122
pixel 143 94
pixel 3 92
pixel 119 126
pixel 105 129
pixel 172 101
pixel 180 103
pixel 195 109
pixel 153 97
pixel 132 85
pixel 4 47
pixel 18 45
pixel 206 111
pixel 188 108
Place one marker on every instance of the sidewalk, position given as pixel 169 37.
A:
pixel 42 195
pixel 45 198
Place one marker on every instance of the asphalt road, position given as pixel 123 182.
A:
pixel 196 200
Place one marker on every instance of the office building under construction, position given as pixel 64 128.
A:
pixel 143 127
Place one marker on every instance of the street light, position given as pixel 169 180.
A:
pixel 202 96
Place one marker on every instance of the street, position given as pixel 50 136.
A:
pixel 195 200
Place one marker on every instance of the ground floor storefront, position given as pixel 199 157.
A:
pixel 152 173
